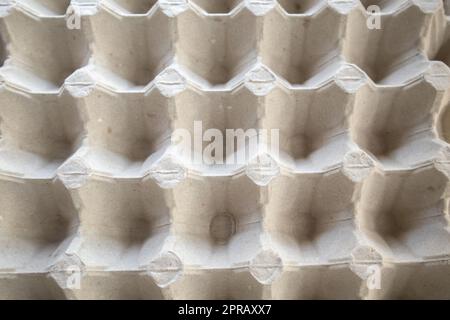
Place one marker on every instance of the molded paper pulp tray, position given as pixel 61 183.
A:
pixel 96 201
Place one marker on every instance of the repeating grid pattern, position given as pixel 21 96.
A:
pixel 91 183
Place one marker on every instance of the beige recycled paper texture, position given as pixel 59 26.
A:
pixel 96 203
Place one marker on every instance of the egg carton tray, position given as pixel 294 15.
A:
pixel 98 201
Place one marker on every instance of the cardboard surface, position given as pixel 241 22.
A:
pixel 96 200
